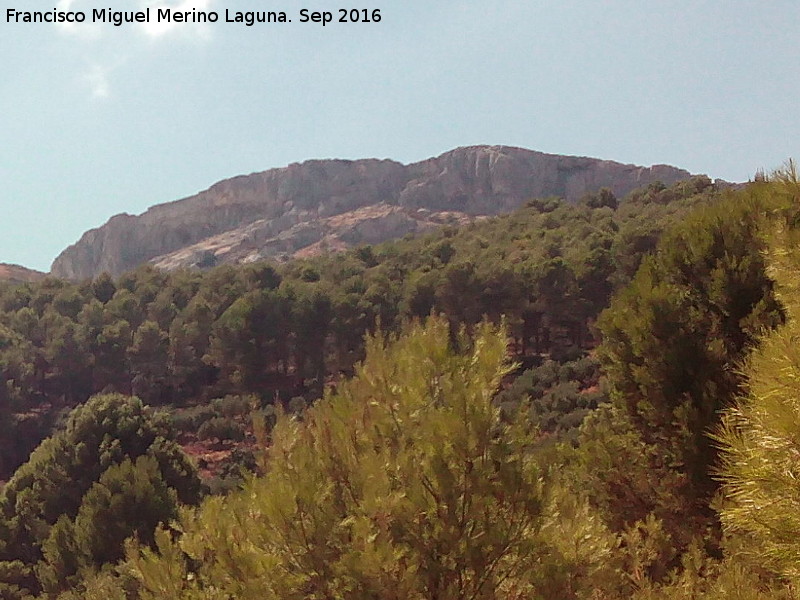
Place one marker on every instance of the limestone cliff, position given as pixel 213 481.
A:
pixel 334 204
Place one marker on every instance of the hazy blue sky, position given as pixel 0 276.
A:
pixel 98 119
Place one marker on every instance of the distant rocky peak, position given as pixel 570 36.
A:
pixel 281 212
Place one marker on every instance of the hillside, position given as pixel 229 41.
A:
pixel 18 274
pixel 574 378
pixel 305 208
pixel 185 338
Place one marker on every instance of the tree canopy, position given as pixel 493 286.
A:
pixel 111 472
pixel 404 483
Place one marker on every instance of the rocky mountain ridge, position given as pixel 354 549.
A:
pixel 333 204
pixel 18 274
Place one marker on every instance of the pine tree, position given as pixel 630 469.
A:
pixel 63 508
pixel 672 342
pixel 403 484
pixel 760 435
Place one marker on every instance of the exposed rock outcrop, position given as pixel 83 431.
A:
pixel 334 204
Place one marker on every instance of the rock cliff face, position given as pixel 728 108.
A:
pixel 334 204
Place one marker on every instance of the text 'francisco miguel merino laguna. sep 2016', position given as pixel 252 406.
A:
pixel 170 15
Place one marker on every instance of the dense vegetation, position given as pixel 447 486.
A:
pixel 362 497
pixel 543 410
pixel 112 472
pixel 182 339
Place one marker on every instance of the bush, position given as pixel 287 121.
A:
pixel 190 419
pixel 234 406
pixel 221 428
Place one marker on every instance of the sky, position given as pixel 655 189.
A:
pixel 97 120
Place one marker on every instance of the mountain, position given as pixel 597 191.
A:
pixel 18 274
pixel 308 207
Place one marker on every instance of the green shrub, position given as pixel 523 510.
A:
pixel 221 428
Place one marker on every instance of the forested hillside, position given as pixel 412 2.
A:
pixel 573 401
pixel 182 339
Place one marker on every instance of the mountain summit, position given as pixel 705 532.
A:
pixel 333 204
